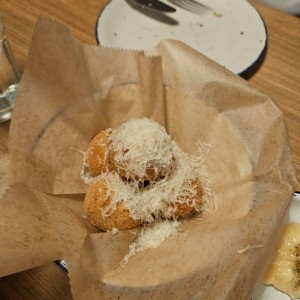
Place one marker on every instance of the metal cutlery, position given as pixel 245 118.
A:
pixel 154 11
pixel 192 6
pixel 156 5
pixel 161 7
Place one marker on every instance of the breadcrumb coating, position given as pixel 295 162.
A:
pixel 140 175
pixel 97 154
pixel 97 199
pixel 187 205
pixel 141 150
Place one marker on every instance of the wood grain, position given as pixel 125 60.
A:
pixel 20 18
pixel 278 76
pixel 47 282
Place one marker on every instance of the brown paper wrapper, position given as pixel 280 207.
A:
pixel 70 91
pixel 27 237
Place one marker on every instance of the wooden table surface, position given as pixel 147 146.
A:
pixel 278 76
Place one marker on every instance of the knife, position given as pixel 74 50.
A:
pixel 156 5
pixel 154 11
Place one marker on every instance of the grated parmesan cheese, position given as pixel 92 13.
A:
pixel 249 247
pixel 151 237
pixel 160 198
pixel 114 231
pixel 137 146
pixel 140 145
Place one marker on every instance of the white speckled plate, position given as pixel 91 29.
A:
pixel 268 292
pixel 233 34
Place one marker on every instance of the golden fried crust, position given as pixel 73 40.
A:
pixel 96 200
pixel 99 159
pixel 97 154
pixel 187 208
pixel 151 174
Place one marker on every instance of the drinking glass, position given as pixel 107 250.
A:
pixel 9 76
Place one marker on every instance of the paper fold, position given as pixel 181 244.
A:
pixel 70 91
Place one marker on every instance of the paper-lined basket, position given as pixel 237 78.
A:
pixel 70 91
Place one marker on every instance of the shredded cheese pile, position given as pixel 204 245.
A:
pixel 149 202
pixel 151 237
pixel 140 144
pixel 137 146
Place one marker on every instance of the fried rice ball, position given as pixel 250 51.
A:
pixel 97 199
pixel 98 155
pixel 100 158
pixel 188 205
pixel 141 150
pixel 151 174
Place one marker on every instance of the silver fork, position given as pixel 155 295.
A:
pixel 192 6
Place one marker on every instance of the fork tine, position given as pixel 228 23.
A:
pixel 192 6
pixel 197 4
